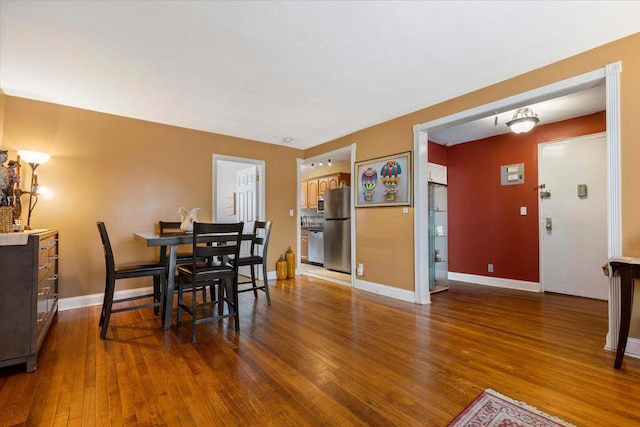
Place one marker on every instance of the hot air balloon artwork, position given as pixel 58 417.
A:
pixel 390 177
pixel 369 181
pixel 383 181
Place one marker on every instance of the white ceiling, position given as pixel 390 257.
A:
pixel 312 71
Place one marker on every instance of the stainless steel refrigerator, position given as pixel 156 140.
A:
pixel 337 229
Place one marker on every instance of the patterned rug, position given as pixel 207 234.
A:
pixel 491 409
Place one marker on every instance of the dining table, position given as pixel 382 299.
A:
pixel 170 240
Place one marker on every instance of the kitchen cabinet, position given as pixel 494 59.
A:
pixel 304 245
pixel 438 270
pixel 330 182
pixel 312 194
pixel 304 201
pixel 28 297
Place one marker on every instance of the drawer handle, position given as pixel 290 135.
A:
pixel 54 277
pixel 44 266
pixel 54 256
pixel 52 243
pixel 44 291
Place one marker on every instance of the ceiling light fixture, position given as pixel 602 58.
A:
pixel 312 166
pixel 523 120
pixel 287 140
pixel 329 162
pixel 320 164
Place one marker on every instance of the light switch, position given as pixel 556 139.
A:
pixel 523 210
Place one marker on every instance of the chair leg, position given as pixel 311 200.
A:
pixel 232 301
pixel 194 303
pixel 157 297
pixel 253 280
pixel 104 301
pixel 266 282
pixel 179 311
pixel 111 284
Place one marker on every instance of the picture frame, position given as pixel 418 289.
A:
pixel 384 181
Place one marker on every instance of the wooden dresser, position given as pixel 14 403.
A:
pixel 28 296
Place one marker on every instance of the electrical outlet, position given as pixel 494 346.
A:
pixel 360 269
pixel 490 268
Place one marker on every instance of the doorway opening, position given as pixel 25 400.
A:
pixel 608 75
pixel 325 250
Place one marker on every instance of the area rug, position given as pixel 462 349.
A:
pixel 491 409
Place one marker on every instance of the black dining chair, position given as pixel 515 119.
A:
pixel 257 257
pixel 183 256
pixel 126 271
pixel 216 243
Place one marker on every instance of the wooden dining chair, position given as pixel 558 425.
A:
pixel 257 257
pixel 215 243
pixel 126 271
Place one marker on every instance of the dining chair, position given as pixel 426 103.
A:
pixel 126 271
pixel 215 243
pixel 257 257
pixel 182 257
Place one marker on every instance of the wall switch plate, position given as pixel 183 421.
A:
pixel 523 210
pixel 290 212
pixel 490 268
pixel 405 210
pixel 360 269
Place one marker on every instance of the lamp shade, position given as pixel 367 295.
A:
pixel 523 121
pixel 34 157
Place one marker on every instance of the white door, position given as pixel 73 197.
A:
pixel 573 219
pixel 246 188
pixel 247 193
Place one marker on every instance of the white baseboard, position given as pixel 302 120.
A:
pixel 495 281
pixel 96 299
pixel 632 350
pixel 384 290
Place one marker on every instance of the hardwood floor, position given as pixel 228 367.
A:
pixel 325 355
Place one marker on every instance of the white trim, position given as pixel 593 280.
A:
pixel 632 349
pixel 96 299
pixel 498 282
pixel 614 210
pixel 384 290
pixel 421 216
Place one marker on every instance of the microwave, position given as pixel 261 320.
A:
pixel 320 204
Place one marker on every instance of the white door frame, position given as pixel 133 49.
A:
pixel 260 186
pixel 610 74
pixel 351 149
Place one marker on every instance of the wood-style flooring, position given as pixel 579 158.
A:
pixel 326 355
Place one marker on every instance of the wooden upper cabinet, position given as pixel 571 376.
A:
pixel 333 181
pixel 312 194
pixel 304 202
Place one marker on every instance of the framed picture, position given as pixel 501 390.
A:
pixel 385 181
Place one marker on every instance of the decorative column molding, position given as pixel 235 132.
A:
pixel 614 211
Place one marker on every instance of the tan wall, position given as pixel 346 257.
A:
pixel 130 174
pixel 375 248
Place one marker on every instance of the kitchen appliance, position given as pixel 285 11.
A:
pixel 320 204
pixel 316 246
pixel 337 229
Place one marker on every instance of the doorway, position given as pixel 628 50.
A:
pixel 238 194
pixel 610 76
pixel 311 218
pixel 573 216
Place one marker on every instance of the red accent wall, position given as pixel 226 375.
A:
pixel 485 225
pixel 437 153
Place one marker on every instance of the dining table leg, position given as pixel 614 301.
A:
pixel 170 286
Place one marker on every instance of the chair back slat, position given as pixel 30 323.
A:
pixel 213 240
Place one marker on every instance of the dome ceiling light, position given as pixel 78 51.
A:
pixel 523 121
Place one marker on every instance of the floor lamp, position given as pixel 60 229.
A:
pixel 34 159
